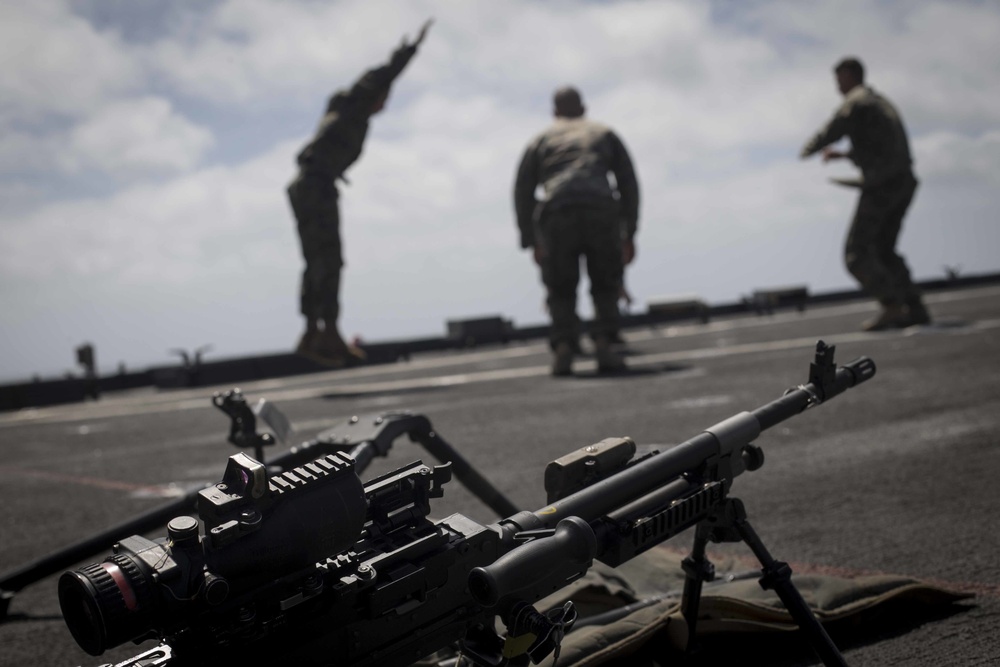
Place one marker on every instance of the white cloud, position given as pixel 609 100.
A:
pixel 143 134
pixel 938 60
pixel 245 51
pixel 956 157
pixel 72 103
pixel 204 226
pixel 63 66
pixel 23 152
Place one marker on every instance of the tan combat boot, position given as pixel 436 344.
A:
pixel 562 359
pixel 608 361
pixel 917 311
pixel 308 339
pixel 329 349
pixel 893 316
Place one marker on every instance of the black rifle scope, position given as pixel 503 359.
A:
pixel 254 526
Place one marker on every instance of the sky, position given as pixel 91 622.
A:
pixel 145 147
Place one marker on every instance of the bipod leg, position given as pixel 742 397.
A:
pixel 778 577
pixel 698 570
pixel 469 476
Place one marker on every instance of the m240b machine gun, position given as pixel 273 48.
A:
pixel 313 567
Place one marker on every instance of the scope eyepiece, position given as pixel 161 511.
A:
pixel 106 604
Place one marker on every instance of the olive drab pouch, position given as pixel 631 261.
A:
pixel 638 626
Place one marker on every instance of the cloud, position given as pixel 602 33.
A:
pixel 936 59
pixel 206 225
pixel 64 67
pixel 957 158
pixel 245 51
pixel 142 134
pixel 73 106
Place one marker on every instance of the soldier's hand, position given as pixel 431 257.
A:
pixel 420 35
pixel 628 251
pixel 539 253
pixel 623 295
pixel 832 154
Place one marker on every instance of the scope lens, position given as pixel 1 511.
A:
pixel 78 601
pixel 105 604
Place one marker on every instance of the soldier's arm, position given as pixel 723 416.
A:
pixel 833 131
pixel 628 186
pixel 401 56
pixel 524 196
pixel 376 82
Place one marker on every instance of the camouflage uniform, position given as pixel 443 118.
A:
pixel 313 194
pixel 879 147
pixel 580 215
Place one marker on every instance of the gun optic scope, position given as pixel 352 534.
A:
pixel 106 604
pixel 256 530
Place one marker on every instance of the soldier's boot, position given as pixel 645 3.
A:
pixel 562 359
pixel 608 360
pixel 893 316
pixel 330 349
pixel 917 310
pixel 306 342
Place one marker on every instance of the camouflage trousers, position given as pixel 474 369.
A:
pixel 595 235
pixel 314 203
pixel 870 251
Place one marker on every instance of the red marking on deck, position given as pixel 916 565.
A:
pixel 82 480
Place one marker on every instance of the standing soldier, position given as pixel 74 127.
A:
pixel 313 196
pixel 879 147
pixel 581 214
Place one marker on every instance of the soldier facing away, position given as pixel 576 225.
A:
pixel 313 195
pixel 879 147
pixel 581 215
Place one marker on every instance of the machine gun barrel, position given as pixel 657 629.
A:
pixel 653 482
pixel 602 497
pixel 815 392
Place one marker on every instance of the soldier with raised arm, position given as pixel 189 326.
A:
pixel 880 148
pixel 313 194
pixel 582 214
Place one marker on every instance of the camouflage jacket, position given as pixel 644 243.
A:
pixel 571 160
pixel 879 146
pixel 342 130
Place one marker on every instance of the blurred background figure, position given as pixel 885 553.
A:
pixel 580 215
pixel 313 195
pixel 880 148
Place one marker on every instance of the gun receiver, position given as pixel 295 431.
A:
pixel 313 567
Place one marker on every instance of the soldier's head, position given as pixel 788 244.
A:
pixel 850 73
pixel 567 103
